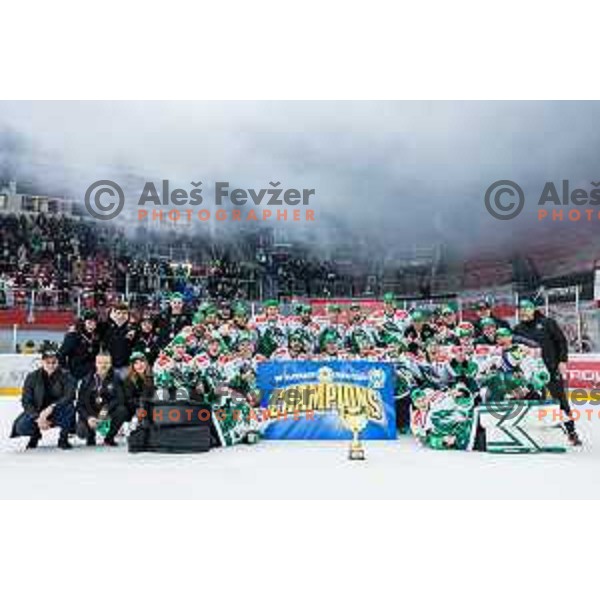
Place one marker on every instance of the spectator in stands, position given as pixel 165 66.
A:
pixel 55 255
pixel 80 347
pixel 101 403
pixel 47 399
pixel 116 338
pixel 547 334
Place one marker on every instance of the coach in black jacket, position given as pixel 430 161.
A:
pixel 547 334
pixel 48 395
pixel 100 396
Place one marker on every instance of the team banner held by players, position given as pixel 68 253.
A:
pixel 304 398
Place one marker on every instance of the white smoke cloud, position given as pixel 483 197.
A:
pixel 396 171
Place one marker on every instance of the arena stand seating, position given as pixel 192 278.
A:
pixel 52 265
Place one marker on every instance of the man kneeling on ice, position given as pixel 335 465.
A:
pixel 48 395
pixel 101 404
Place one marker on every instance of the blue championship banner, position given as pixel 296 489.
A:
pixel 303 398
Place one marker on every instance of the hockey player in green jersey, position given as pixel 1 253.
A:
pixel 463 369
pixel 443 419
pixel 233 419
pixel 271 329
pixel 303 324
pixel 450 420
pixel 515 378
pixel 334 328
pixel 238 327
pixel 488 329
pixel 389 322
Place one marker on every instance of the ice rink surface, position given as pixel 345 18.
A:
pixel 297 470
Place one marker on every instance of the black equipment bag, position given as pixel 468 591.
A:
pixel 175 440
pixel 181 427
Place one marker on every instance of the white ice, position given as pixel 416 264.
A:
pixel 398 469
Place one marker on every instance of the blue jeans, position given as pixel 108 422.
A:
pixel 63 416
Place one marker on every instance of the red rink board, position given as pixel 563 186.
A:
pixel 584 371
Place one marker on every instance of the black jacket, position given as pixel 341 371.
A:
pixel 117 341
pixel 78 353
pixel 95 394
pixel 35 396
pixel 137 390
pixel 148 344
pixel 412 335
pixel 169 325
pixel 547 334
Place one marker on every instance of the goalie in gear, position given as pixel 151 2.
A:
pixel 443 419
pixel 515 378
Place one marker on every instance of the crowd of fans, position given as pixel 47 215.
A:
pixel 58 261
pixel 55 257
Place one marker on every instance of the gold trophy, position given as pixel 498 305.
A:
pixel 355 419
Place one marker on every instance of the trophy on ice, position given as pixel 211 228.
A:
pixel 355 419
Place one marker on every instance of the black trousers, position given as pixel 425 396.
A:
pixel 403 414
pixel 63 416
pixel 117 414
pixel 556 389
